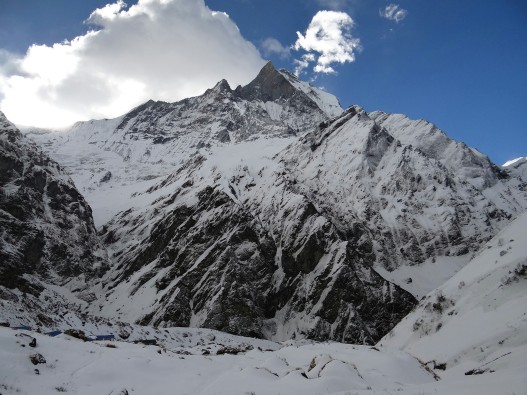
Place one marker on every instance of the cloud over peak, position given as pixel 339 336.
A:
pixel 327 40
pixel 156 49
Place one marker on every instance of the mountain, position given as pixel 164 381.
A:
pixel 334 208
pixel 130 152
pixel 267 211
pixel 47 231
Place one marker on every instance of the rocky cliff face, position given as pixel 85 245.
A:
pixel 46 225
pixel 200 257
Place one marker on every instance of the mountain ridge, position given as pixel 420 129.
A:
pixel 253 210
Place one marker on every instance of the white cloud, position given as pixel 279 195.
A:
pixel 156 49
pixel 327 40
pixel 394 13
pixel 303 63
pixel 272 46
pixel 108 12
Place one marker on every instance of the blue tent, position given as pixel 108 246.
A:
pixel 24 327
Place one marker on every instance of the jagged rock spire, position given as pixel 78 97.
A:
pixel 269 85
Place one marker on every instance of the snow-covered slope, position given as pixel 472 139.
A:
pixel 324 100
pixel 416 210
pixel 197 361
pixel 475 323
pixel 215 364
pixel 468 163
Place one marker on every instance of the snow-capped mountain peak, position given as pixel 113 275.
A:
pixel 253 210
pixel 269 85
pixel 272 84
pixel 156 137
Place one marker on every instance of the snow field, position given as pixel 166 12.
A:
pixel 74 366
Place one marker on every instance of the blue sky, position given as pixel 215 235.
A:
pixel 459 64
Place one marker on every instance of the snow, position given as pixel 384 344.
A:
pixel 87 164
pixel 478 318
pixel 426 276
pixel 104 367
pixel 518 168
pixel 456 156
pixel 190 361
pixel 252 155
pixel 324 100
pixel 512 162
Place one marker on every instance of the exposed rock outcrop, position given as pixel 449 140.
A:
pixel 46 225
